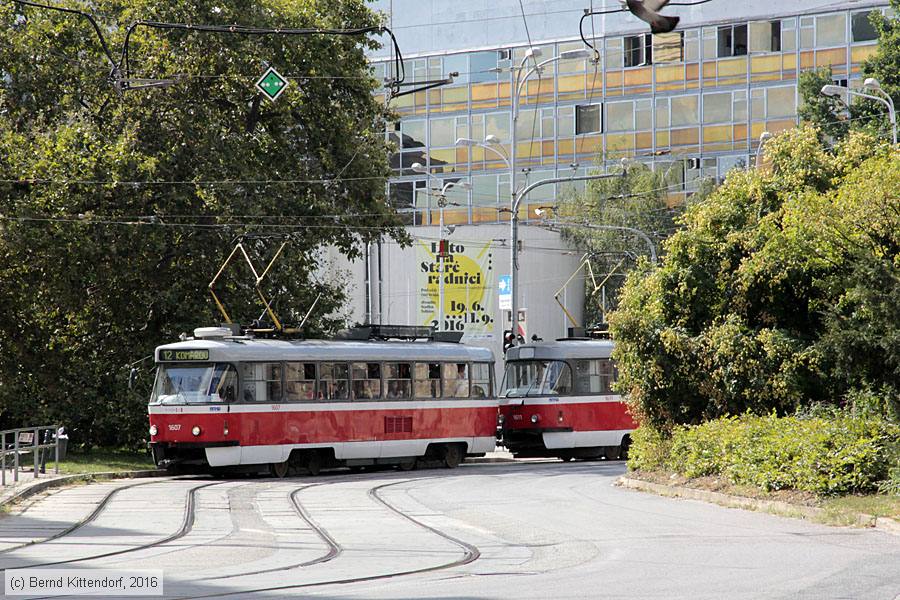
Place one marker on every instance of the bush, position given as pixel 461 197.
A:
pixel 827 456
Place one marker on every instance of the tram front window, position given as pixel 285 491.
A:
pixel 536 378
pixel 194 384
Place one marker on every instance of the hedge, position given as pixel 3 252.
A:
pixel 827 456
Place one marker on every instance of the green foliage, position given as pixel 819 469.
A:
pixel 95 272
pixel 826 456
pixel 639 200
pixel 830 115
pixel 649 449
pixel 825 112
pixel 765 300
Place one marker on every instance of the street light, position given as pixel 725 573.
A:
pixel 493 144
pixel 442 202
pixel 765 137
pixel 870 84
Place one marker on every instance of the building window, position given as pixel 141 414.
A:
pixel 831 30
pixel 862 28
pixel 638 50
pixel 717 107
pixel 588 118
pixel 732 41
pixel 669 47
pixel 765 36
pixel 482 67
pixel 620 116
pixel 807 32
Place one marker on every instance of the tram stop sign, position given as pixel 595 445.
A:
pixel 271 84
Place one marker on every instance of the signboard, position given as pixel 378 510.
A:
pixel 175 355
pixel 271 84
pixel 504 284
pixel 469 288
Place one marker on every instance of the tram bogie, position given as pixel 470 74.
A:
pixel 558 401
pixel 286 407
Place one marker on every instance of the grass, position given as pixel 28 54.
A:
pixel 840 510
pixel 103 460
pixel 877 505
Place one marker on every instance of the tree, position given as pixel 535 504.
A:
pixel 884 65
pixel 118 209
pixel 639 200
pixel 762 301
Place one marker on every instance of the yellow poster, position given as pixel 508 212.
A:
pixel 469 288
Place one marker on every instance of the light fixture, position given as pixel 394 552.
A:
pixel 418 168
pixel 533 53
pixel 872 84
pixel 466 142
pixel 535 418
pixel 575 54
pixel 153 430
pixel 196 430
pixel 833 90
pixel 492 139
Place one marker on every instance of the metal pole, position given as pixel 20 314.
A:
pixel 36 442
pixel 441 202
pixel 3 457
pixel 56 470
pixel 514 216
pixel 16 458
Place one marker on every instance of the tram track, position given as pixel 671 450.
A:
pixel 334 549
pixel 80 523
pixel 471 552
pixel 186 526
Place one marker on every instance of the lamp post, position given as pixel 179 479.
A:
pixel 492 143
pixel 442 202
pixel 872 85
pixel 765 137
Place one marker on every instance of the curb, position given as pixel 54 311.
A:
pixel 67 479
pixel 772 506
pixel 485 460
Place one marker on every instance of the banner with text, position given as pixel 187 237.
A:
pixel 469 288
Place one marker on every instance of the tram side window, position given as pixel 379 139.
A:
pixel 428 380
pixel 299 381
pixel 334 381
pixel 366 381
pixel 223 387
pixel 593 376
pixel 481 380
pixel 398 377
pixel 456 380
pixel 262 382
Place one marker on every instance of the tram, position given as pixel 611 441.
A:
pixel 557 401
pixel 384 395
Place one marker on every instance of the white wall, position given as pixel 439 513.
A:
pixel 545 263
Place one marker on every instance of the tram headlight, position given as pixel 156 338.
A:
pixel 196 430
pixel 535 418
pixel 500 419
pixel 153 430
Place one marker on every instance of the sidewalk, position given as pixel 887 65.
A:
pixel 26 481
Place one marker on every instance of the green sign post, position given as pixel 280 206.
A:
pixel 271 84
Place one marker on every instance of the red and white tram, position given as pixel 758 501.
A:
pixel 223 400
pixel 558 401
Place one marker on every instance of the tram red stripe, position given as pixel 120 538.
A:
pixel 584 416
pixel 307 427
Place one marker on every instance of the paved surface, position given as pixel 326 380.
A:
pixel 533 530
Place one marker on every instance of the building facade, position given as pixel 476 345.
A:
pixel 694 102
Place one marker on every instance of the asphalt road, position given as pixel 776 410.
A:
pixel 532 530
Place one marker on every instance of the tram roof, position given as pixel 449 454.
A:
pixel 561 350
pixel 250 349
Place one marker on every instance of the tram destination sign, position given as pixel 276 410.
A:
pixel 175 355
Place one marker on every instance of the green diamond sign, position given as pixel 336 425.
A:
pixel 271 84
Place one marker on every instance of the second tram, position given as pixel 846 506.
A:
pixel 557 400
pixel 232 401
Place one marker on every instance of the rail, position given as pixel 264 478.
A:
pixel 27 440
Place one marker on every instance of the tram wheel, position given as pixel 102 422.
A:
pixel 452 456
pixel 407 465
pixel 314 464
pixel 279 470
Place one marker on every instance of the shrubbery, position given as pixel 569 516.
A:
pixel 827 456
